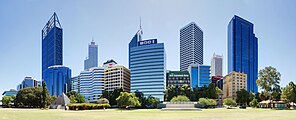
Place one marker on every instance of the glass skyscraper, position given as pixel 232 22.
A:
pixel 28 82
pixel 243 50
pixel 147 63
pixel 199 75
pixel 58 80
pixel 52 44
pixel 91 84
pixel 92 60
pixel 191 46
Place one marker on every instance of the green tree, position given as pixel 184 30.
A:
pixel 212 91
pixel 251 97
pixel 184 90
pixel 180 98
pixel 142 99
pixel 229 102
pixel 218 90
pixel 72 99
pixel 6 100
pixel 45 97
pixel 111 96
pixel 13 97
pixel 243 97
pixel 269 80
pixel 75 97
pixel 127 99
pixel 170 92
pixel 263 96
pixel 289 93
pixel 152 102
pixel 254 103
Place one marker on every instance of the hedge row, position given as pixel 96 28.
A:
pixel 87 106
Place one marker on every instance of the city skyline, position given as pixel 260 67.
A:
pixel 26 50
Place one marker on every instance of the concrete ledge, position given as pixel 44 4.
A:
pixel 180 109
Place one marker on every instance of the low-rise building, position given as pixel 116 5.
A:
pixel 177 78
pixel 29 82
pixel 199 75
pixel 116 76
pixel 10 92
pixel 233 82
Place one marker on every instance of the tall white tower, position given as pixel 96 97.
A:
pixel 191 46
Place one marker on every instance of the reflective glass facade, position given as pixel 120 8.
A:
pixel 52 44
pixel 92 83
pixel 199 75
pixel 147 63
pixel 10 92
pixel 28 82
pixel 243 50
pixel 58 80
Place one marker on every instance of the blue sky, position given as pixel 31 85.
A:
pixel 112 24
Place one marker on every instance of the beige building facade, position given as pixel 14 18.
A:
pixel 116 76
pixel 233 82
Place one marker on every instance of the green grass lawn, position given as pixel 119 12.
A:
pixel 147 114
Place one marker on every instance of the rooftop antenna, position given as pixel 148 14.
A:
pixel 140 23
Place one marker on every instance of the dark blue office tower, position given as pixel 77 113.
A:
pixel 52 44
pixel 243 50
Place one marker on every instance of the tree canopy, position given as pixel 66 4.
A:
pixel 243 97
pixel 75 97
pixel 127 99
pixel 33 97
pixel 289 93
pixel 6 100
pixel 269 80
pixel 112 95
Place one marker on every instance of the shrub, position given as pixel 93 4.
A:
pixel 6 100
pixel 205 102
pixel 180 98
pixel 87 106
pixel 229 102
